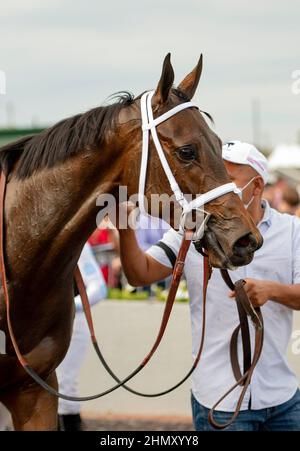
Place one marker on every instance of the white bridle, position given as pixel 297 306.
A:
pixel 149 124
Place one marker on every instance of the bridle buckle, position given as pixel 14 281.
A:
pixel 199 229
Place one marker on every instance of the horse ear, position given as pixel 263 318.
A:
pixel 166 81
pixel 190 82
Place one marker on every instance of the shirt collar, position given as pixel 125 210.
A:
pixel 266 219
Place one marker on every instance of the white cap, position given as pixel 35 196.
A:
pixel 243 153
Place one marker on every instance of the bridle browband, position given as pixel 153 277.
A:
pixel 243 303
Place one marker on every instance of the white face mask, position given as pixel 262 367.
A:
pixel 239 192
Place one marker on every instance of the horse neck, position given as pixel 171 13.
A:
pixel 50 215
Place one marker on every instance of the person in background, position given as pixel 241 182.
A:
pixel 69 369
pixel 273 191
pixel 105 236
pixel 150 230
pixel 289 200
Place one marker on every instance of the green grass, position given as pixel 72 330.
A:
pixel 161 295
pixel 125 295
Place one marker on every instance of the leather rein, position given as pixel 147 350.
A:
pixel 244 307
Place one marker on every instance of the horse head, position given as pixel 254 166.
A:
pixel 193 154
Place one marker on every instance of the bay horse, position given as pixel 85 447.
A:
pixel 54 179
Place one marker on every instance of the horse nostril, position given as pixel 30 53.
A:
pixel 245 243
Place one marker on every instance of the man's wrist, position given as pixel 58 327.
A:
pixel 278 292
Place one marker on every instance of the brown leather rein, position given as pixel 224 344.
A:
pixel 244 308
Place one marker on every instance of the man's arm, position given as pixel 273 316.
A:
pixel 260 291
pixel 139 267
pixel 288 295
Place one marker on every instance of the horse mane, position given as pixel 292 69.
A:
pixel 64 139
pixel 68 137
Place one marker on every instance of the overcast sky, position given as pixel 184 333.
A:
pixel 64 57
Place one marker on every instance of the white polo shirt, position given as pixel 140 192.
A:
pixel 273 382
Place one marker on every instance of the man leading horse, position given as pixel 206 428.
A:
pixel 272 401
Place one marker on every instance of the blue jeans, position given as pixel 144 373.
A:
pixel 285 417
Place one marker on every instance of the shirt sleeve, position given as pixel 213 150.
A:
pixel 296 250
pixel 92 277
pixel 172 239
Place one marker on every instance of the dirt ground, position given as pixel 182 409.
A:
pixel 136 423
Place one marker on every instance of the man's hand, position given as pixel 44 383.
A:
pixel 259 291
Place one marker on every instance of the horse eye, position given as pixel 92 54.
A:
pixel 187 153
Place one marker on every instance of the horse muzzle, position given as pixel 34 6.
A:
pixel 239 254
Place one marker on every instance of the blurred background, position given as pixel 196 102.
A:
pixel 60 58
pixel 63 57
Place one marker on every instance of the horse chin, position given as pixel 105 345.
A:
pixel 217 256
